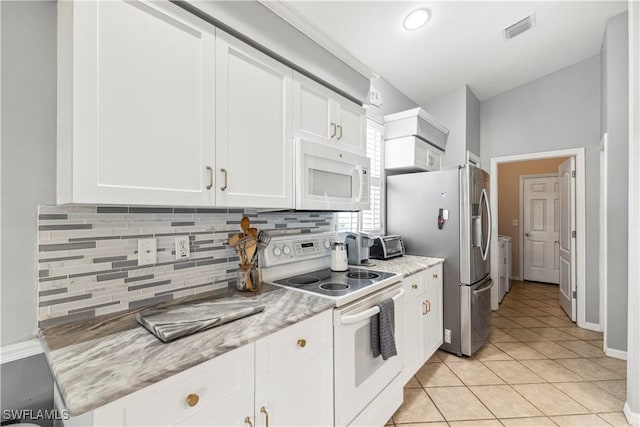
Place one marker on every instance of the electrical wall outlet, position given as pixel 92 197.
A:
pixel 514 222
pixel 147 251
pixel 182 247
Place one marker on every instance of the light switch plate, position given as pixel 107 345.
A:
pixel 147 251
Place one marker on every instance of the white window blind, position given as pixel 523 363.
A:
pixel 371 220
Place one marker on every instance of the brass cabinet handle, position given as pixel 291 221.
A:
pixel 266 416
pixel 435 276
pixel 247 420
pixel 193 399
pixel 414 286
pixel 302 342
pixel 426 306
pixel 333 130
pixel 226 177
pixel 210 172
pixel 340 129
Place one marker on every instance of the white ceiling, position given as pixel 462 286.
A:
pixel 463 42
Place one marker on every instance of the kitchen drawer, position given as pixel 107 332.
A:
pixel 413 285
pixel 226 381
pixel 434 276
pixel 296 343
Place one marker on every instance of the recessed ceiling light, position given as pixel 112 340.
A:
pixel 416 19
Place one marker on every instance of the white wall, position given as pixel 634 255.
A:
pixel 459 111
pixel 28 154
pixel 558 111
pixel 451 110
pixel 615 116
pixel 473 122
pixel 632 407
pixel 393 100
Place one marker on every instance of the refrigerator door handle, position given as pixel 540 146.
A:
pixel 485 289
pixel 485 251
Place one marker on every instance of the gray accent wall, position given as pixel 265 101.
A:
pixel 28 154
pixel 393 101
pixel 459 111
pixel 558 111
pixel 615 122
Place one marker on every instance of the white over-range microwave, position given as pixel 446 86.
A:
pixel 328 178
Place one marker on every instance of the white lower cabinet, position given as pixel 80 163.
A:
pixel 294 375
pixel 422 318
pixel 286 376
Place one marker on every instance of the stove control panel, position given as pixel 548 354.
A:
pixel 288 249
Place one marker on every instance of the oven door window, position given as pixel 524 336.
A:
pixel 331 184
pixel 365 364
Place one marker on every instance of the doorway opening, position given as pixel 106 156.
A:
pixel 579 254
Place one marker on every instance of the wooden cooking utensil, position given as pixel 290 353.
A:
pixel 235 239
pixel 245 223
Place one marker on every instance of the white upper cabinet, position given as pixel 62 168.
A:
pixel 136 94
pixel 254 146
pixel 324 116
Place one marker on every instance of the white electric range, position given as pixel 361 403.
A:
pixel 367 389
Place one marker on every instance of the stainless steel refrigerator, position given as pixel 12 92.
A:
pixel 446 214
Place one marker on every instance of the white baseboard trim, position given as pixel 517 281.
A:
pixel 593 326
pixel 633 418
pixel 617 354
pixel 20 350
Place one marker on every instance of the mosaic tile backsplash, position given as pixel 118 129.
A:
pixel 88 255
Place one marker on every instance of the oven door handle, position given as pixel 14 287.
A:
pixel 355 318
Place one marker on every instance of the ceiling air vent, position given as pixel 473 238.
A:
pixel 519 27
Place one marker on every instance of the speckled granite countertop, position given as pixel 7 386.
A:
pixel 98 361
pixel 406 264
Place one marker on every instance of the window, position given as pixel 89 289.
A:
pixel 372 220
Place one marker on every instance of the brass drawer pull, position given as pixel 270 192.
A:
pixel 435 276
pixel 414 286
pixel 302 343
pixel 247 420
pixel 193 399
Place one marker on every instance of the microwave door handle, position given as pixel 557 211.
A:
pixel 355 318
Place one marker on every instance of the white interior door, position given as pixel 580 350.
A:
pixel 566 174
pixel 540 229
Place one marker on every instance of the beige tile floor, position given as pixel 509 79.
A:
pixel 538 369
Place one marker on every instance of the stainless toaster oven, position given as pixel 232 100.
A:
pixel 385 247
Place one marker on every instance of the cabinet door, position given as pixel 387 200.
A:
pixel 312 110
pixel 294 378
pixel 351 120
pixel 224 388
pixel 135 102
pixel 413 337
pixel 254 146
pixel 432 311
